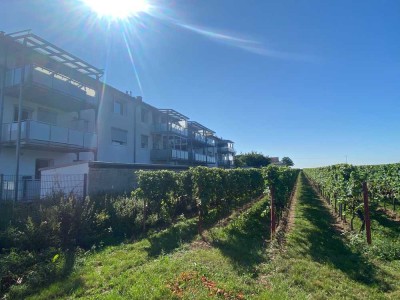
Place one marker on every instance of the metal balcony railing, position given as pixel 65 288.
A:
pixel 39 132
pixel 202 158
pixel 170 127
pixel 200 138
pixel 227 149
pixel 210 142
pixel 168 154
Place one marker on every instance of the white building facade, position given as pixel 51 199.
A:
pixel 55 111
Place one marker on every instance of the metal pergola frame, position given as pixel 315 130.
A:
pixel 40 45
pixel 173 113
pixel 198 126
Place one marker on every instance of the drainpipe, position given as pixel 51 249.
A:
pixel 138 98
pixel 96 116
pixel 3 86
pixel 18 147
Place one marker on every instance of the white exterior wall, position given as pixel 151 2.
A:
pixel 28 160
pixel 75 169
pixel 143 128
pixel 67 180
pixel 108 119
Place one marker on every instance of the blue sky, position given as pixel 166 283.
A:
pixel 313 80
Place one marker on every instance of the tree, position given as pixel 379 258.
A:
pixel 252 160
pixel 287 161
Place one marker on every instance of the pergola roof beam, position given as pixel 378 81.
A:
pixel 34 42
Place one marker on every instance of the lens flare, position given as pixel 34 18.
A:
pixel 117 9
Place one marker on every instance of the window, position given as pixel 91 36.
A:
pixel 47 116
pixel 26 114
pixel 144 115
pixel 42 163
pixel 156 141
pixel 144 141
pixel 119 107
pixel 119 136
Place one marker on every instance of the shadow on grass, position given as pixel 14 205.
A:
pixel 326 245
pixel 186 231
pixel 23 291
pixel 390 227
pixel 171 238
pixel 168 240
pixel 244 240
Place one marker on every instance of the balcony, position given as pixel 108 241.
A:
pixel 170 128
pixel 225 163
pixel 36 135
pixel 202 158
pixel 227 149
pixel 211 160
pixel 47 87
pixel 198 138
pixel 168 155
pixel 201 139
pixel 210 142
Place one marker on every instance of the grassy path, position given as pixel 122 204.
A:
pixel 319 264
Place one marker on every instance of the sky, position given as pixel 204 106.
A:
pixel 318 81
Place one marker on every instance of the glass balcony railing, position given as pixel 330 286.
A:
pixel 199 157
pixel 200 138
pixel 170 127
pixel 202 158
pixel 227 149
pixel 168 154
pixel 47 78
pixel 180 154
pixel 211 160
pixel 39 132
pixel 225 162
pixel 210 142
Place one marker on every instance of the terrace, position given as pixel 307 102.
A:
pixel 172 122
pixel 38 135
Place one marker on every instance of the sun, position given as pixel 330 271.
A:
pixel 117 9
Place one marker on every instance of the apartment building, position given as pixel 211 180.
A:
pixel 55 110
pixel 225 153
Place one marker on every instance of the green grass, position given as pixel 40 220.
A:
pixel 318 263
pixel 385 233
pixel 166 266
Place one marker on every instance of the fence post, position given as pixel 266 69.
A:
pixel 366 212
pixel 85 183
pixel 272 211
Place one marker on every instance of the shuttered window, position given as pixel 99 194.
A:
pixel 119 136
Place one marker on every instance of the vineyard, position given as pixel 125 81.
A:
pixel 210 234
pixel 169 193
pixel 346 189
pixel 49 230
pixel 343 185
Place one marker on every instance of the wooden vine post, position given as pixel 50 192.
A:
pixel 273 222
pixel 366 213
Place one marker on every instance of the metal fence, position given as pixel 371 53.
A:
pixel 31 188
